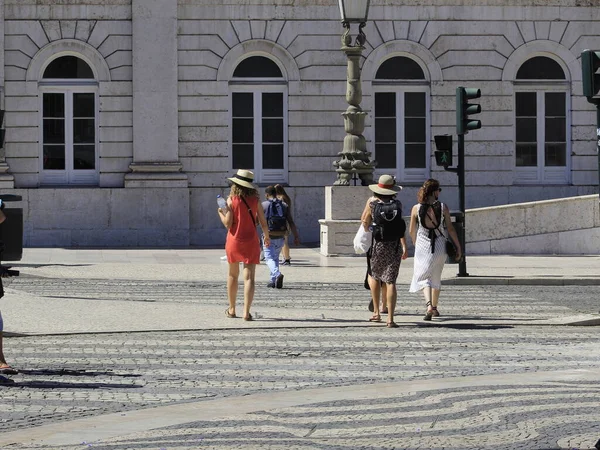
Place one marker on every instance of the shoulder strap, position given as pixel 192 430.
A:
pixel 249 211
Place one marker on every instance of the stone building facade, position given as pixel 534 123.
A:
pixel 124 117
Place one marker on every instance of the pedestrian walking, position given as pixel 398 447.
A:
pixel 285 251
pixel 430 225
pixel 383 212
pixel 279 221
pixel 242 246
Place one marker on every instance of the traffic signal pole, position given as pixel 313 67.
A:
pixel 590 63
pixel 462 264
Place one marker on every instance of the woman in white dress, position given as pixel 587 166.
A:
pixel 428 220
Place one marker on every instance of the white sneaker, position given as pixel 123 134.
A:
pixel 224 258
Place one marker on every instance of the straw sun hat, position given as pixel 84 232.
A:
pixel 244 178
pixel 386 186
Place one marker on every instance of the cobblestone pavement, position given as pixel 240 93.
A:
pixel 66 377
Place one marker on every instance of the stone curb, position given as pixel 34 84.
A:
pixel 530 281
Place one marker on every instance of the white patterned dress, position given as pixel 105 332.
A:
pixel 428 264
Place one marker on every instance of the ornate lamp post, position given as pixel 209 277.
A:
pixel 354 158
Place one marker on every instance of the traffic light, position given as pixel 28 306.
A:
pixel 443 154
pixel 590 62
pixel 464 110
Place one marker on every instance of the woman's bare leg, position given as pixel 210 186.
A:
pixel 285 250
pixel 232 285
pixel 391 297
pixel 249 287
pixel 375 287
pixel 435 297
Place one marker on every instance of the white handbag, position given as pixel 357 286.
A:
pixel 362 240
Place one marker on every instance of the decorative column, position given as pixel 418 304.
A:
pixel 354 158
pixel 155 109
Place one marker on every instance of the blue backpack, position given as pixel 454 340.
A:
pixel 276 215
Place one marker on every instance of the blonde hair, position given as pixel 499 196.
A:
pixel 242 191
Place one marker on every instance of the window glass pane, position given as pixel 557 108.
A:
pixel 243 156
pixel 385 104
pixel 555 130
pixel 400 68
pixel 414 130
pixel 68 67
pixel 272 130
pixel 243 131
pixel 272 156
pixel 414 104
pixel 84 131
pixel 526 155
pixel 272 104
pixel 540 68
pixel 526 130
pixel 243 104
pixel 385 155
pixel 555 155
pixel 54 157
pixel 84 157
pixel 526 104
pixel 555 104
pixel 54 105
pixel 415 156
pixel 54 131
pixel 84 105
pixel 257 67
pixel 385 130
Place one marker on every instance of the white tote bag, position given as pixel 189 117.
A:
pixel 362 240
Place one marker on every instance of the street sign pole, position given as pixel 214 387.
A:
pixel 598 143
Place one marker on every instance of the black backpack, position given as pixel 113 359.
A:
pixel 388 224
pixel 276 215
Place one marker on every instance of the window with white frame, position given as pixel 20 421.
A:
pixel 259 120
pixel 68 94
pixel 542 129
pixel 401 110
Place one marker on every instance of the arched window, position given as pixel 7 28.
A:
pixel 401 111
pixel 259 119
pixel 69 122
pixel 541 122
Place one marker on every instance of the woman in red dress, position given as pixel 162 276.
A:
pixel 243 246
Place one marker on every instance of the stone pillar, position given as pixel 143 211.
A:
pixel 155 104
pixel 7 181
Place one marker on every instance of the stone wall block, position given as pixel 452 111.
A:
pixel 258 29
pixel 545 244
pixel 559 215
pixel 52 29
pixel 123 73
pixel 501 222
pixel 345 202
pixel 21 43
pixel 113 44
pixel 579 242
pixel 527 30
pixel 31 28
pixel 83 29
pixel 65 209
pixel 105 28
pixel 67 28
pixel 542 30
pixel 242 29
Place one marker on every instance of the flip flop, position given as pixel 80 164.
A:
pixel 228 314
pixel 8 371
pixel 392 325
pixel 375 318
pixel 249 317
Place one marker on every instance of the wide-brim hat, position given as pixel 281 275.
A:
pixel 386 186
pixel 244 178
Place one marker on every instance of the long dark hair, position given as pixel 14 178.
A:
pixel 427 190
pixel 283 195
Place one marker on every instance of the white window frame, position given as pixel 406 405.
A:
pixel 68 176
pixel 542 174
pixel 260 86
pixel 403 174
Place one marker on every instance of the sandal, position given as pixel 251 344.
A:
pixel 435 311
pixel 228 314
pixel 248 318
pixel 392 325
pixel 429 313
pixel 7 370
pixel 375 318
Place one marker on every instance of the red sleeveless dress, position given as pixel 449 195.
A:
pixel 242 243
